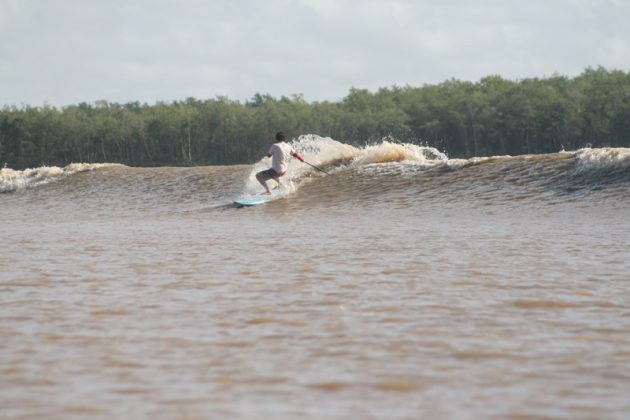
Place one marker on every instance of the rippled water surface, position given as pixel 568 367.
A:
pixel 396 287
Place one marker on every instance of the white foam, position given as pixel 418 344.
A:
pixel 603 158
pixel 386 152
pixel 12 180
pixel 324 151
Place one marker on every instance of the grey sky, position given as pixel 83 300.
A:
pixel 70 51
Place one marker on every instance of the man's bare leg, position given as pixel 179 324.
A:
pixel 263 183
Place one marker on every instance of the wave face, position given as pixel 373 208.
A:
pixel 386 172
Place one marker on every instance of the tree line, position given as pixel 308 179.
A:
pixel 493 116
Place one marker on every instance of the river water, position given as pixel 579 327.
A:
pixel 402 285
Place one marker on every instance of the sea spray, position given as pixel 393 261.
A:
pixel 319 151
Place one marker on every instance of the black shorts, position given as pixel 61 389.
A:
pixel 267 175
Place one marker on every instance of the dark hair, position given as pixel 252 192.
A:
pixel 280 135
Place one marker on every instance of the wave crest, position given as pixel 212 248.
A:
pixel 13 180
pixel 606 158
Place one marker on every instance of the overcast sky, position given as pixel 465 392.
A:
pixel 70 51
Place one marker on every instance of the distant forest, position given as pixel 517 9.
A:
pixel 494 116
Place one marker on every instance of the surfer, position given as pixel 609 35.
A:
pixel 280 153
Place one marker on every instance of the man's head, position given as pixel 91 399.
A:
pixel 279 136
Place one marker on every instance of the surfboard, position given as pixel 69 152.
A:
pixel 254 200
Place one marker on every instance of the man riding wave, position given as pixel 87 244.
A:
pixel 280 154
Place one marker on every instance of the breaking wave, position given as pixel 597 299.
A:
pixel 12 180
pixel 398 171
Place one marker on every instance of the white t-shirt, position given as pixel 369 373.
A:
pixel 280 156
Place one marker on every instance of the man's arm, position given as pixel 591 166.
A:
pixel 298 156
